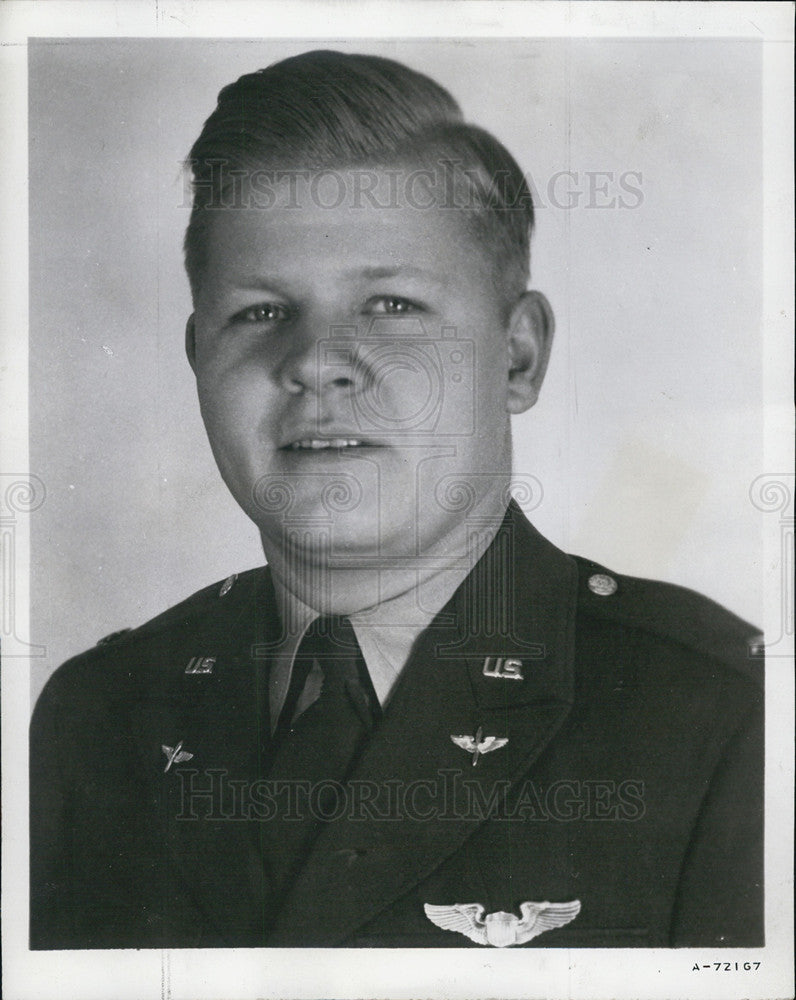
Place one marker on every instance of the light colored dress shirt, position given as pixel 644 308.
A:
pixel 386 633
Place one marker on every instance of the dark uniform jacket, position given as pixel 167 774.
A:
pixel 631 779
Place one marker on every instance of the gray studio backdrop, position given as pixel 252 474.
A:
pixel 646 156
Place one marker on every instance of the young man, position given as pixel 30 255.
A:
pixel 421 724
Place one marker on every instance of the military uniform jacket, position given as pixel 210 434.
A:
pixel 631 779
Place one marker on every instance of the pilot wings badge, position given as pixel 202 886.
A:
pixel 502 930
pixel 478 744
pixel 175 755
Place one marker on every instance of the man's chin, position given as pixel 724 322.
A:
pixel 341 541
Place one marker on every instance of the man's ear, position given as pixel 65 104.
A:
pixel 190 341
pixel 530 333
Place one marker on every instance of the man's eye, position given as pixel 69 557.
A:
pixel 391 305
pixel 265 312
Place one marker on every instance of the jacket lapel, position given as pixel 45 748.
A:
pixel 220 718
pixel 518 603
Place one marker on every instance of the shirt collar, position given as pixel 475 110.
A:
pixel 386 632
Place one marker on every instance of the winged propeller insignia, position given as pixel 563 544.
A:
pixel 500 929
pixel 175 755
pixel 478 744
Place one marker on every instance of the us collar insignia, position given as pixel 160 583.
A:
pixel 175 755
pixel 505 668
pixel 479 744
pixel 200 665
pixel 500 929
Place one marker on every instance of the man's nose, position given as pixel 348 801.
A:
pixel 319 359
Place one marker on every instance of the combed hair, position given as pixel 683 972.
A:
pixel 329 110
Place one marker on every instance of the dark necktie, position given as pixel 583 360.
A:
pixel 330 646
pixel 313 752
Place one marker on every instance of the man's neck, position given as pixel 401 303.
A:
pixel 445 563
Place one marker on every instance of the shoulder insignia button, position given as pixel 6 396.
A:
pixel 108 639
pixel 602 585
pixel 227 585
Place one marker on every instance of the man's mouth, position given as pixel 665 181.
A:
pixel 319 444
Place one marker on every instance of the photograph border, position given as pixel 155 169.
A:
pixel 216 973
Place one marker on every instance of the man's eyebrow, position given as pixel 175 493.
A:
pixel 400 271
pixel 374 273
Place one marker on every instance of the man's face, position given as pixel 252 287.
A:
pixel 352 367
